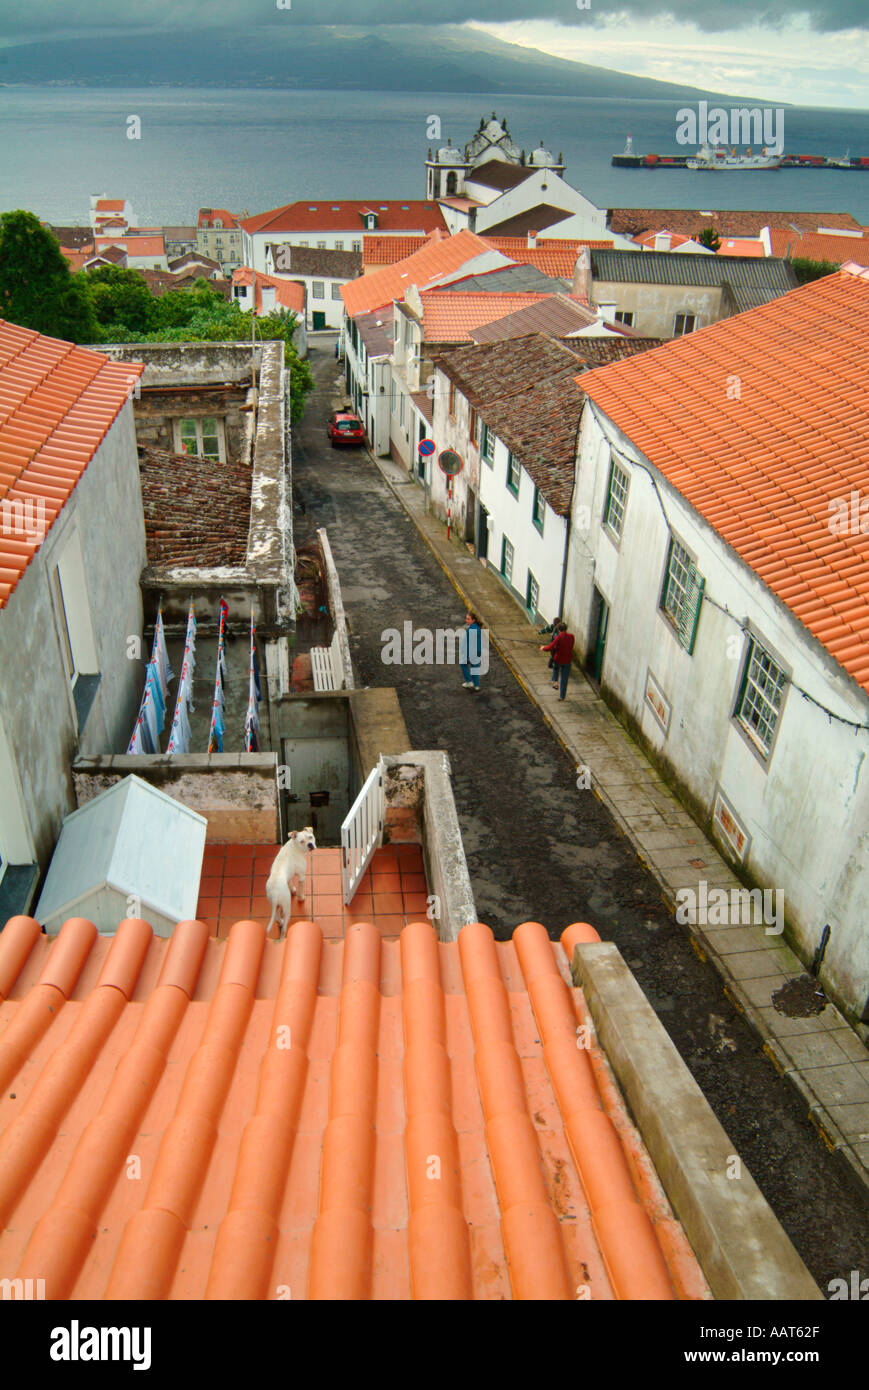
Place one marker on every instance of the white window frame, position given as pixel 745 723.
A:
pixel 221 435
pixel 680 333
pixel 619 510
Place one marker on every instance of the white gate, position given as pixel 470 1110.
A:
pixel 362 831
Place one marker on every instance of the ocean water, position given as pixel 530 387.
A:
pixel 253 150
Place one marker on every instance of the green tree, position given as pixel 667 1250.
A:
pixel 709 238
pixel 203 315
pixel 122 297
pixel 806 270
pixel 37 288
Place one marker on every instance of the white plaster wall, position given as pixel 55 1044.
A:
pixel 655 307
pixel 806 808
pixel 510 515
pixel 545 187
pixel 105 511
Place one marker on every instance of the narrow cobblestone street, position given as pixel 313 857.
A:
pixel 539 848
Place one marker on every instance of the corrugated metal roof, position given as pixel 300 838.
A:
pixel 751 281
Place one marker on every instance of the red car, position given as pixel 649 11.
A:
pixel 345 428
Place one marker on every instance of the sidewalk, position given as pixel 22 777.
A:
pixel 821 1056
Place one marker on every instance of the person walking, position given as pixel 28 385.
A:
pixel 551 629
pixel 561 648
pixel 473 651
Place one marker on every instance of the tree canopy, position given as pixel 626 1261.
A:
pixel 109 304
pixel 37 288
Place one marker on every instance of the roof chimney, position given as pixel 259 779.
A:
pixel 582 275
pixel 532 240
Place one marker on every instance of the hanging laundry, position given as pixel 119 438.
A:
pixel 179 735
pixel 160 654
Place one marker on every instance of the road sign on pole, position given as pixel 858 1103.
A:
pixel 426 447
pixel 450 462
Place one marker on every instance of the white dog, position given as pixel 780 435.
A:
pixel 291 862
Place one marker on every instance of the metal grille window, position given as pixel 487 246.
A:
pixel 336 290
pixel 616 499
pixel 760 697
pixel 538 509
pixel 513 472
pixel 318 289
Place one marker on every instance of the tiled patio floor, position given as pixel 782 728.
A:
pixel 392 892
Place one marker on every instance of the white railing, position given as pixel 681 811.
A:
pixel 362 831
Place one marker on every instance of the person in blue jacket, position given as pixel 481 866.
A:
pixel 471 667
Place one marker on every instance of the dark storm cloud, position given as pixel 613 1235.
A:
pixel 54 18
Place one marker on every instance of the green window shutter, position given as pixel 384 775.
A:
pixel 690 615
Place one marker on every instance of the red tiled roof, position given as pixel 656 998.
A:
pixel 557 261
pixel 110 204
pixel 630 221
pixel 451 316
pixel 78 257
pixel 182 526
pixel 819 247
pixel 207 216
pixel 555 314
pixel 741 246
pixel 436 259
pixel 386 250
pixel 648 238
pixel 526 391
pixel 513 245
pixel 134 245
pixel 767 469
pixel 333 215
pixel 57 403
pixel 289 294
pixel 425 1127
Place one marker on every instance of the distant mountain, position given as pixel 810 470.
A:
pixel 283 54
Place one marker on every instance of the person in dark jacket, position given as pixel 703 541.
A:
pixel 561 648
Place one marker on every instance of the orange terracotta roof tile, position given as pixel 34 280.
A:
pixel 57 403
pixel 133 245
pixel 555 258
pixel 435 260
pixel 289 294
pixel 451 316
pixel 771 468
pixel 819 246
pixel 386 250
pixel 349 1119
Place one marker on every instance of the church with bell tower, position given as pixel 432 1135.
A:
pixel 450 169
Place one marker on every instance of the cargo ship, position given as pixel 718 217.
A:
pixel 629 159
pixel 717 158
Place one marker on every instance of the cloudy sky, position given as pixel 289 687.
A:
pixel 806 51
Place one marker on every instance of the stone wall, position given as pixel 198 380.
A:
pixel 236 792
